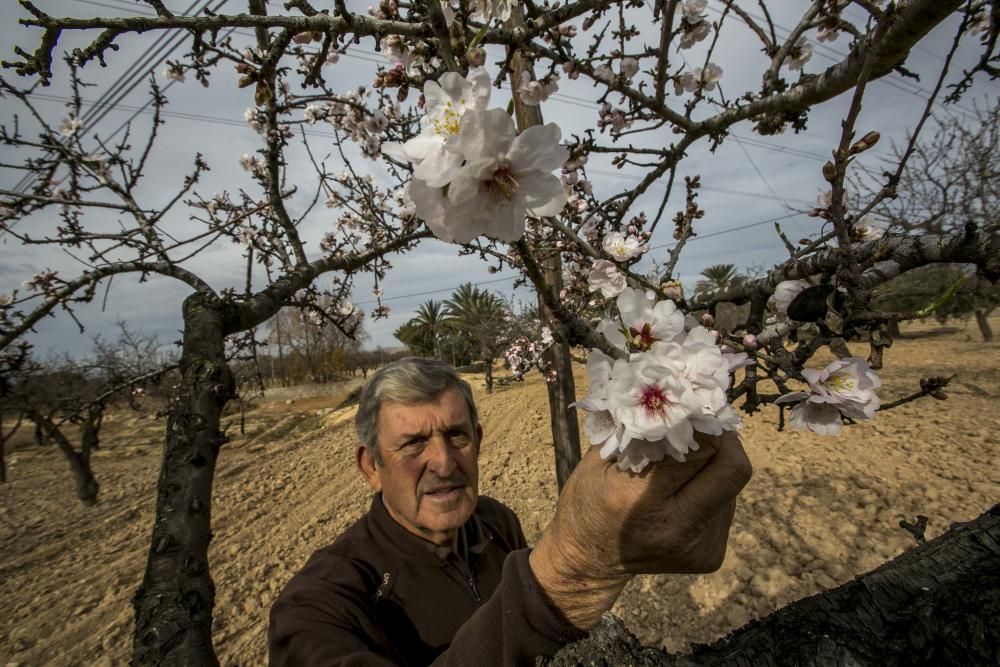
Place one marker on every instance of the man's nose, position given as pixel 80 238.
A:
pixel 440 456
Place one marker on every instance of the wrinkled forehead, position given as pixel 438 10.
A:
pixel 448 410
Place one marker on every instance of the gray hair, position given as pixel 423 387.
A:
pixel 410 380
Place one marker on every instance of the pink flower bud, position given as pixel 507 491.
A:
pixel 707 320
pixel 750 342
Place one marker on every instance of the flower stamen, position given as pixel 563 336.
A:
pixel 503 186
pixel 654 401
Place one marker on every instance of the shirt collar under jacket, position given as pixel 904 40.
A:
pixel 474 537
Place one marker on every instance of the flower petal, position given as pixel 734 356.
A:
pixel 538 148
pixel 486 133
pixel 543 194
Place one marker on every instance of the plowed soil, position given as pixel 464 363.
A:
pixel 817 512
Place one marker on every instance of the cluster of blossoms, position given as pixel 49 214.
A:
pixel 44 282
pixel 705 79
pixel 799 54
pixel 673 382
pixel 845 388
pixel 865 228
pixel 627 68
pixel 253 164
pixel 535 92
pixel 615 118
pixel 694 26
pixel 473 174
pixel 525 354
pixel 70 126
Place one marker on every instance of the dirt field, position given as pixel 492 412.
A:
pixel 817 512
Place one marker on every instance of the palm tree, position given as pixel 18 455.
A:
pixel 478 315
pixel 424 332
pixel 717 278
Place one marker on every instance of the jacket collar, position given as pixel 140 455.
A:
pixel 476 534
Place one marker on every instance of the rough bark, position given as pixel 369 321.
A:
pixel 4 437
pixel 982 319
pixel 938 604
pixel 79 462
pixel 561 389
pixel 173 606
pixel 489 375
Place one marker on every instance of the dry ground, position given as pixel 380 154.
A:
pixel 817 512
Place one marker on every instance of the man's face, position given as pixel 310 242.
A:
pixel 429 475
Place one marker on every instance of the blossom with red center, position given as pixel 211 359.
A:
pixel 655 402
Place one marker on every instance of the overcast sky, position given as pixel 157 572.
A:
pixel 747 182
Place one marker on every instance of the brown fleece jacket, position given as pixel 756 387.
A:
pixel 380 595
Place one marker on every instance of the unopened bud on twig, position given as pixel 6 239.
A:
pixel 476 56
pixel 829 172
pixel 865 142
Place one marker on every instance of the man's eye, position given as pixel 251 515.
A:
pixel 459 438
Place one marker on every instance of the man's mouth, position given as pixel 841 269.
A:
pixel 444 491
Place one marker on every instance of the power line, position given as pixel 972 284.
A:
pixel 113 94
pixel 892 79
pixel 509 278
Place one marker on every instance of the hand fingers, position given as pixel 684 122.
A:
pixel 719 481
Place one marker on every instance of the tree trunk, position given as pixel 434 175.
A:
pixel 489 375
pixel 565 428
pixel 173 606
pixel 4 437
pixel 79 462
pixel 561 388
pixel 982 319
pixel 937 604
pixel 839 347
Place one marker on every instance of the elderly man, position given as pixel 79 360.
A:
pixel 436 573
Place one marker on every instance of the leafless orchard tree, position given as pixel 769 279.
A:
pixel 61 396
pixel 653 110
pixel 952 179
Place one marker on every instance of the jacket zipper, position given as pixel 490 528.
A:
pixel 475 591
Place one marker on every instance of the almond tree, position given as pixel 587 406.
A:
pixel 460 168
pixel 952 179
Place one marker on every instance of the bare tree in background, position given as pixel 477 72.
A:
pixel 952 179
pixel 61 396
pixel 653 109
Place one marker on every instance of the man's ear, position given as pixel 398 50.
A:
pixel 479 437
pixel 366 464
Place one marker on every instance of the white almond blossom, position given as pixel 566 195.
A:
pixel 505 177
pixel 492 9
pixel 435 151
pixel 70 126
pixel 174 72
pixel 312 113
pixel 534 93
pixel 827 34
pixel 623 247
pixel 868 229
pixel 628 67
pixel 652 402
pixel 800 54
pixel 709 76
pixel 648 406
pixel 252 163
pixel 693 10
pixel 643 322
pixel 605 276
pixel 845 388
